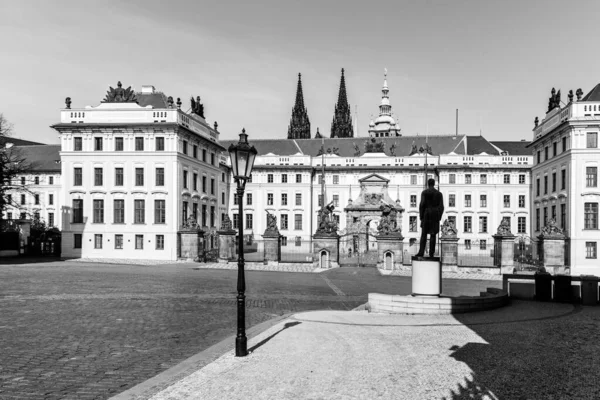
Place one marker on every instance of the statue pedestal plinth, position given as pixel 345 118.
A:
pixel 389 249
pixel 272 249
pixel 505 246
pixel 553 250
pixel 190 244
pixel 325 251
pixel 426 276
pixel 226 246
pixel 449 253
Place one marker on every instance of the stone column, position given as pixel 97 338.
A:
pixel 272 249
pixel 389 244
pixel 226 246
pixel 505 246
pixel 449 253
pixel 326 250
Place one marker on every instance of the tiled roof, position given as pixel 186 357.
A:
pixel 42 157
pixel 346 146
pixel 514 148
pixel 17 142
pixel 156 99
pixel 478 144
pixel 593 95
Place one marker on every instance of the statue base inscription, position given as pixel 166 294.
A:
pixel 426 276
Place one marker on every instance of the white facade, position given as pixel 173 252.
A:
pixel 565 183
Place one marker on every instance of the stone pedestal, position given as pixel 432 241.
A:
pixel 325 251
pixel 389 251
pixel 504 245
pixel 426 276
pixel 226 246
pixel 272 249
pixel 553 248
pixel 449 252
pixel 190 244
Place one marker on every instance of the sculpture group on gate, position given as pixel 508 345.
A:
pixel 551 229
pixel 504 228
pixel 430 213
pixel 326 225
pixel 449 229
pixel 272 229
pixel 388 224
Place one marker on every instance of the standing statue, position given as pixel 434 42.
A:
pixel 430 213
pixel 272 229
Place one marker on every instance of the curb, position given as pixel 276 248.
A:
pixel 192 364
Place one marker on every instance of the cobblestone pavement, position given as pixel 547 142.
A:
pixel 528 351
pixel 449 275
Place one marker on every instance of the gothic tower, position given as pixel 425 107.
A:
pixel 299 123
pixel 342 121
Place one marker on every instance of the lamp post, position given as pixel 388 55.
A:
pixel 242 157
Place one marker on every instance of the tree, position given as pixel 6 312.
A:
pixel 14 169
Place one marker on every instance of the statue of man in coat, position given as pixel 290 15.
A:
pixel 430 213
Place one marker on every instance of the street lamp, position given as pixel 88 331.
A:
pixel 242 157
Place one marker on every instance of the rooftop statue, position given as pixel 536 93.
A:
pixel 374 147
pixel 120 95
pixel 356 150
pixel 430 213
pixel 197 107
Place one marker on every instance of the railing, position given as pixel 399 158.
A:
pixel 297 251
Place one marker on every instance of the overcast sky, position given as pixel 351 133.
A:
pixel 495 61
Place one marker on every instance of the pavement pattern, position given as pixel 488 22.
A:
pixel 525 351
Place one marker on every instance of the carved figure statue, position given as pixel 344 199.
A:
pixel 373 198
pixel 326 225
pixel 413 149
pixel 179 103
pixel 430 213
pixel 226 223
pixel 374 147
pixel 120 95
pixel 271 225
pixel 68 102
pixel 579 94
pixel 570 96
pixel 393 150
pixel 448 229
pixel 191 223
pixel 551 229
pixel 356 150
pixel 536 121
pixel 554 100
pixel 170 101
pixel 504 228
pixel 388 223
pixel 216 125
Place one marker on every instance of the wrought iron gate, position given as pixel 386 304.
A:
pixel 358 250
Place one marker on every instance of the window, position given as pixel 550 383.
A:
pixel 298 241
pixel 98 177
pixel 522 225
pixel 185 179
pixel 78 144
pixel 545 215
pixel 521 201
pixel 235 199
pixel 468 179
pixel 51 199
pixel 553 212
pixel 336 218
pixel 468 224
pixel 482 244
pixel 336 179
pixel 184 211
pixel 269 199
pixel 98 144
pixel 249 199
pixel 591 216
pixel 235 221
pixel 413 200
pixel 159 144
pixel 139 144
pixel 554 182
pixel 160 177
pixel 118 176
pixel 212 216
pixel 9 199
pixel 51 180
pixel 298 199
pixel 412 223
pixel 483 200
pixel 185 147
pixel 467 244
pixel 506 200
pixel 212 158
pixel 98 211
pixel 545 184
pixel 212 185
pixel 320 179
pixel 36 180
pixel 298 222
pixel 452 178
pixel 546 153
pixel 592 140
pixel 139 242
pixel 36 199
pixel 204 184
pixel 119 242
pixel 50 219
pixel 563 215
pixel 506 179
pixel 160 212
pixel 467 200
pixel 160 242
pixel 413 179
pixel 452 200
pixel 482 224
pixel 537 187
pixel 248 221
pixel 97 241
pixel 284 221
pixel 119 211
pixel 284 241
pixel 23 215
pixel 336 200
pixel 22 180
pixel 9 215
pixel 203 214
pixel 195 181
pixel 77 211
pixel 222 197
pixel 522 179
pixel 298 178
pixel 139 211
pixel 284 178
pixel 269 178
pixel 563 179
pixel 204 155
pixel 23 199
pixel 539 157
pixel 195 151
pixel 591 250
pixel 77 177
pixel 77 240
pixel 554 149
pixel 139 177
pixel 591 176
pixel 118 144
pixel 483 179
pixel 320 200
pixel 537 219
pixel 564 144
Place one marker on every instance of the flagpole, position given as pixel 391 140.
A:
pixel 323 172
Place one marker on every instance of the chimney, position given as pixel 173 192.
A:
pixel 148 89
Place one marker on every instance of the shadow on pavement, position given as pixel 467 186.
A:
pixel 537 359
pixel 29 260
pixel 286 326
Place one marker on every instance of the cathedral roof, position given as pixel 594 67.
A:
pixel 593 95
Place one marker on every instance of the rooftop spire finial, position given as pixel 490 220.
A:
pixel 299 127
pixel 342 118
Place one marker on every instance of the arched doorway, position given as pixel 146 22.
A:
pixel 324 259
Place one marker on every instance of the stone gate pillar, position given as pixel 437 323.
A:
pixel 272 241
pixel 552 241
pixel 504 248
pixel 326 250
pixel 226 241
pixel 449 247
pixel 389 251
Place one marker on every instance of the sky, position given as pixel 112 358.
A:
pixel 495 61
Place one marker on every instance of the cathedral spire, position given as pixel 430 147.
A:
pixel 342 119
pixel 299 123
